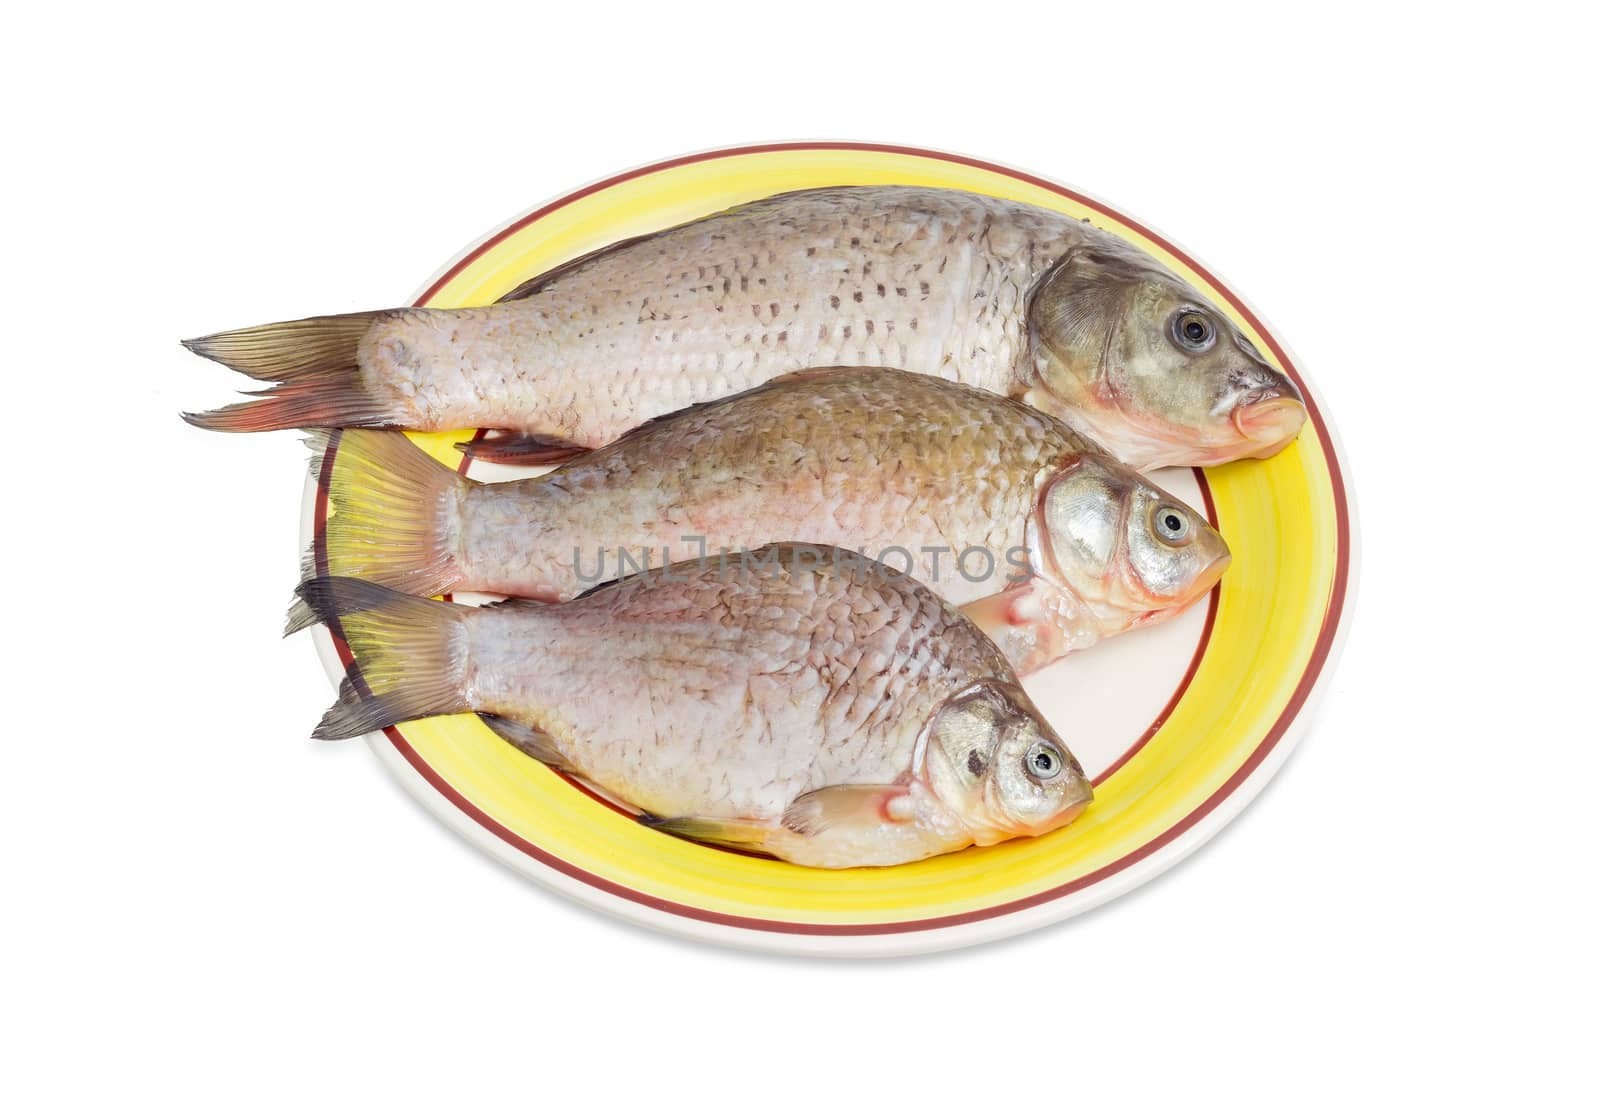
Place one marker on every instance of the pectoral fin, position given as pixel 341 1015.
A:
pixel 1033 623
pixel 848 806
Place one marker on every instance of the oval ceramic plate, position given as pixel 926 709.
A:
pixel 1179 725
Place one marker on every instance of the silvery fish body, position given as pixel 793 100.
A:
pixel 803 702
pixel 997 294
pixel 987 501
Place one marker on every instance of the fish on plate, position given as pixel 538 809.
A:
pixel 1050 544
pixel 1006 296
pixel 804 702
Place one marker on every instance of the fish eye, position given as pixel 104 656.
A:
pixel 1193 331
pixel 1045 762
pixel 1172 524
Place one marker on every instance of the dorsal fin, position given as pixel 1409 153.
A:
pixel 544 279
pixel 798 375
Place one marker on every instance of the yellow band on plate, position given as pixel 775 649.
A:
pixel 1280 517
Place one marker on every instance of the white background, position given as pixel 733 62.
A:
pixel 205 913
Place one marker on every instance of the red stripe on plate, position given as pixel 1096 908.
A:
pixel 1297 700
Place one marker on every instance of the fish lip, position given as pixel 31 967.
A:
pixel 1085 786
pixel 1210 576
pixel 1220 565
pixel 1071 810
pixel 1268 423
pixel 1206 581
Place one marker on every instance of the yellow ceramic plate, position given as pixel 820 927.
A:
pixel 1179 724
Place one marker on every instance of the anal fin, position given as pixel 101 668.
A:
pixel 744 834
pixel 532 741
pixel 518 448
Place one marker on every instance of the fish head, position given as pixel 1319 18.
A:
pixel 1128 551
pixel 1139 360
pixel 995 763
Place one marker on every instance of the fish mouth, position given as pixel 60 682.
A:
pixel 1270 424
pixel 1213 572
pixel 1079 794
pixel 1082 798
pixel 1208 578
pixel 1203 584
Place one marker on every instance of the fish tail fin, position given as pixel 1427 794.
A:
pixel 392 516
pixel 316 363
pixel 411 654
pixel 289 351
pixel 335 400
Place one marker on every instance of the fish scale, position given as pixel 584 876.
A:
pixel 819 707
pixel 1004 296
pixel 911 284
pixel 834 457
pixel 741 652
pixel 948 481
